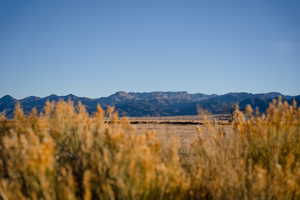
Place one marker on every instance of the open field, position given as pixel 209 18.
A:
pixel 223 119
pixel 182 126
pixel 184 132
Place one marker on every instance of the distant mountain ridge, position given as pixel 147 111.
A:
pixel 153 103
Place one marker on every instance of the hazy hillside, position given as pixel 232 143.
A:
pixel 153 103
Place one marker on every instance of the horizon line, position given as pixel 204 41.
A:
pixel 192 93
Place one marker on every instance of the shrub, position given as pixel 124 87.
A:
pixel 64 153
pixel 259 158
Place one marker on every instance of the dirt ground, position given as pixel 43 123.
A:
pixel 184 135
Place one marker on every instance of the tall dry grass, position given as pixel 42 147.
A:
pixel 63 153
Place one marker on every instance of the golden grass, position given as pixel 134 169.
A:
pixel 63 153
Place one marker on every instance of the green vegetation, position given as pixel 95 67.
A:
pixel 63 153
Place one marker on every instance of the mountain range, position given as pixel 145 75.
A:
pixel 154 103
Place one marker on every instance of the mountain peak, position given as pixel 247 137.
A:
pixel 274 94
pixel 52 95
pixel 7 98
pixel 121 93
pixel 71 96
pixel 31 98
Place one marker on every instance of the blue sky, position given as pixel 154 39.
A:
pixel 94 48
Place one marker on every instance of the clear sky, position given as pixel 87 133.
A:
pixel 94 48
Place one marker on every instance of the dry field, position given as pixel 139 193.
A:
pixel 184 129
pixel 183 120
